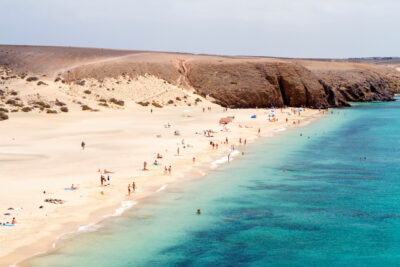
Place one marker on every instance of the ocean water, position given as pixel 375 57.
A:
pixel 336 204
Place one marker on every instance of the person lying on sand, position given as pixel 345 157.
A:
pixel 105 171
pixel 159 156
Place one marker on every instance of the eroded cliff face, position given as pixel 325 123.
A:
pixel 262 84
pixel 355 85
pixel 257 84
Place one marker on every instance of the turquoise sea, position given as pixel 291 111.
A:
pixel 337 204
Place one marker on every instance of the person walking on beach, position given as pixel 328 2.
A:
pixel 133 187
pixel 194 160
pixel 229 156
pixel 169 170
pixel 145 166
pixel 83 145
pixel 13 221
pixel 101 180
pixel 177 151
pixel 129 189
pixel 165 170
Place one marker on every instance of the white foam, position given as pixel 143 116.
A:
pixel 124 206
pixel 280 130
pixel 224 159
pixel 201 172
pixel 162 188
pixel 91 227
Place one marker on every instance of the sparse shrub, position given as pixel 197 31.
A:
pixel 42 104
pixel 41 83
pixel 178 98
pixel 64 109
pixel 3 116
pixel 26 109
pixel 32 79
pixel 156 105
pixel 85 107
pixel 11 102
pixel 197 100
pixel 103 104
pixel 144 104
pixel 51 111
pixel 4 110
pixel 170 102
pixel 117 102
pixel 103 100
pixel 14 110
pixel 14 93
pixel 88 92
pixel 57 79
pixel 59 103
pixel 81 83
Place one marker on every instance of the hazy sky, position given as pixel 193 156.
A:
pixel 282 28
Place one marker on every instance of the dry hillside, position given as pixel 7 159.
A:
pixel 47 79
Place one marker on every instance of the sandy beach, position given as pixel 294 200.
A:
pixel 41 153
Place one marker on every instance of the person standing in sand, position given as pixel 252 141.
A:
pixel 145 166
pixel 129 189
pixel 83 145
pixel 101 180
pixel 194 160
pixel 133 187
pixel 169 170
pixel 177 151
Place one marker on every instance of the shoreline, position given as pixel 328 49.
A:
pixel 208 158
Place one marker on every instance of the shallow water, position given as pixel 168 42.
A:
pixel 331 207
